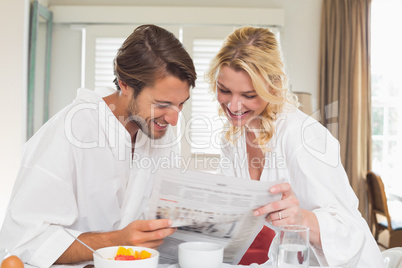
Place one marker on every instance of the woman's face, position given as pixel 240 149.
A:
pixel 237 97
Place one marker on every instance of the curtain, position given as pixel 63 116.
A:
pixel 344 86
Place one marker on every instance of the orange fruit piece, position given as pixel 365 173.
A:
pixel 137 255
pixel 130 252
pixel 145 254
pixel 122 251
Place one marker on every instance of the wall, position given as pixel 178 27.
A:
pixel 13 73
pixel 301 37
pixel 14 29
pixel 65 65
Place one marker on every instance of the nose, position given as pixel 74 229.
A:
pixel 172 116
pixel 235 104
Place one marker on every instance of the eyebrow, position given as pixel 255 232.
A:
pixel 169 102
pixel 247 92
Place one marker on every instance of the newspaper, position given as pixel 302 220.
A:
pixel 208 207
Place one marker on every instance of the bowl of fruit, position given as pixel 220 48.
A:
pixel 126 257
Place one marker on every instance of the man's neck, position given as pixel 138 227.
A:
pixel 117 103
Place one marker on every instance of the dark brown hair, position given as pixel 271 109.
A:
pixel 151 53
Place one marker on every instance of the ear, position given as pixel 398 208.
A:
pixel 125 89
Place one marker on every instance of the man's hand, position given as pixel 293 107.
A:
pixel 146 233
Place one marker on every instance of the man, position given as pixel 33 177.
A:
pixel 87 171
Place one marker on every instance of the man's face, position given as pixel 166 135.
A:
pixel 157 107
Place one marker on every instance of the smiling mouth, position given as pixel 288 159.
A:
pixel 239 115
pixel 160 126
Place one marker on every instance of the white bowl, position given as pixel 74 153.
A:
pixel 109 253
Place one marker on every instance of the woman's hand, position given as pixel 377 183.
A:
pixel 284 211
pixel 288 211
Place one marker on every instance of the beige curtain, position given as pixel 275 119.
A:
pixel 344 86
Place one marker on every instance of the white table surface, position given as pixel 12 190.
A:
pixel 244 266
pixel 167 265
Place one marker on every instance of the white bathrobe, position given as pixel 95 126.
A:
pixel 305 154
pixel 78 172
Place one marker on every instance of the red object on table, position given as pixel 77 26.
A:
pixel 258 250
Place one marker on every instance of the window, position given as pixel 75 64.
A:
pixel 105 51
pixel 200 125
pixel 205 123
pixel 386 90
pixel 200 113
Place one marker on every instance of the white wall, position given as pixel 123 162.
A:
pixel 13 91
pixel 65 66
pixel 300 41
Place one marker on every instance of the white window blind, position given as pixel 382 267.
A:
pixel 105 51
pixel 205 124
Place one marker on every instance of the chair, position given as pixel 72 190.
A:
pixel 392 257
pixel 379 206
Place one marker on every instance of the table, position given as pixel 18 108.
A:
pixel 89 265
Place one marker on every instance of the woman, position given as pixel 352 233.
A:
pixel 269 139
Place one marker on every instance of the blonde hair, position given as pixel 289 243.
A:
pixel 255 51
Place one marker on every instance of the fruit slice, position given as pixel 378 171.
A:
pixel 130 252
pixel 145 254
pixel 124 258
pixel 127 254
pixel 122 251
pixel 137 255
